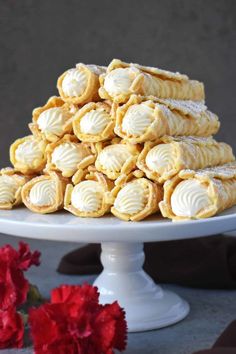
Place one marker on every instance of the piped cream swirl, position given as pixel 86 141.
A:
pixel 113 157
pixel 189 198
pixel 8 188
pixel 131 198
pixel 66 156
pixel 52 120
pixel 87 196
pixel 161 158
pixel 94 122
pixel 43 193
pixel 119 81
pixel 28 152
pixel 74 82
pixel 137 119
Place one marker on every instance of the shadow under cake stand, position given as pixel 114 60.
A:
pixel 147 305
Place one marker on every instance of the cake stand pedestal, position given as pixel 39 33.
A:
pixel 147 305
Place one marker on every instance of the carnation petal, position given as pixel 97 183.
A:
pixel 79 294
pixel 11 329
pixel 26 257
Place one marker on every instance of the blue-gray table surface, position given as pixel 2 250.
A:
pixel 211 310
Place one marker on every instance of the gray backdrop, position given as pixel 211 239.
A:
pixel 40 39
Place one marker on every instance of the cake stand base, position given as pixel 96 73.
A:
pixel 147 305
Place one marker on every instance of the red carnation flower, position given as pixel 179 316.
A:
pixel 111 328
pixel 26 258
pixel 13 285
pixel 83 296
pixel 11 329
pixel 75 323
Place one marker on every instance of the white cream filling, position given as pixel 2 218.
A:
pixel 113 157
pixel 130 199
pixel 74 82
pixel 66 156
pixel 52 120
pixel 118 81
pixel 161 158
pixel 189 198
pixel 87 196
pixel 94 122
pixel 8 188
pixel 137 119
pixel 43 193
pixel 28 151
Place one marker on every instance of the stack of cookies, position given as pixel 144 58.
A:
pixel 127 139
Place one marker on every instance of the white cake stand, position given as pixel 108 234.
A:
pixel 147 305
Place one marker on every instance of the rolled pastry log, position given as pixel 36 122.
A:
pixel 199 194
pixel 164 160
pixel 116 159
pixel 94 122
pixel 141 119
pixel 87 197
pixel 11 183
pixel 136 199
pixel 122 79
pixel 80 85
pixel 28 154
pixel 53 120
pixel 67 155
pixel 44 194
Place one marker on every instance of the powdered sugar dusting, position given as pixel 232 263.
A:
pixel 163 74
pixel 187 107
pixel 226 171
pixel 96 69
pixel 190 139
